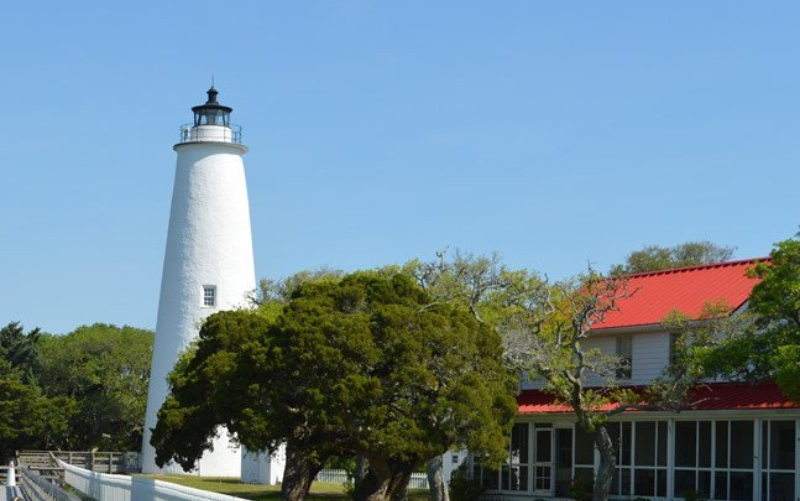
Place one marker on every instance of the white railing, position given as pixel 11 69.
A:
pixel 418 480
pixel 108 487
pixel 38 488
pixel 190 133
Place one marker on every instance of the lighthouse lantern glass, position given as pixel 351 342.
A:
pixel 212 116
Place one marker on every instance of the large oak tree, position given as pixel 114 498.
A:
pixel 368 365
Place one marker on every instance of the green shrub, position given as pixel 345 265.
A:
pixel 581 488
pixel 462 487
pixel 691 495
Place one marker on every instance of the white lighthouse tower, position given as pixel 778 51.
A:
pixel 208 264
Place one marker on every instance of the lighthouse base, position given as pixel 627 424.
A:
pixel 263 467
pixel 224 461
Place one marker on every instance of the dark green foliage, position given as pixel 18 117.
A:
pixel 105 370
pixel 581 488
pixel 21 350
pixel 767 343
pixel 28 419
pixel 215 383
pixel 463 487
pixel 691 495
pixel 364 364
pixel 654 257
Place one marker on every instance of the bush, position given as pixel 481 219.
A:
pixel 462 487
pixel 581 488
pixel 691 495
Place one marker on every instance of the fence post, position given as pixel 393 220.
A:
pixel 11 479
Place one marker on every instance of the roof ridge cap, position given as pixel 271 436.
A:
pixel 723 264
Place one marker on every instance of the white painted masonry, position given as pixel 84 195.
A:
pixel 209 243
pixel 263 467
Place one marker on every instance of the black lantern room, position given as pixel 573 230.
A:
pixel 212 113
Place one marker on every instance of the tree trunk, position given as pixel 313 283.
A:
pixel 401 494
pixel 438 488
pixel 608 461
pixel 362 469
pixel 298 475
pixel 384 481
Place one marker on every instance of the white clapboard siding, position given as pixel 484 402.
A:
pixel 650 356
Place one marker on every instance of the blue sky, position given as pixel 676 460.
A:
pixel 554 133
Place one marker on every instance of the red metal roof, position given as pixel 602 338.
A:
pixel 708 397
pixel 684 289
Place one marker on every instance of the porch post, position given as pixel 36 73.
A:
pixel 531 458
pixel 797 460
pixel 757 459
pixel 670 458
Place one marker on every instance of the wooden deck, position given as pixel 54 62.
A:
pixel 10 493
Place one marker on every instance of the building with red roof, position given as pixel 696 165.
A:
pixel 733 441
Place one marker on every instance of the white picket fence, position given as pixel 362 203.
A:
pixel 418 480
pixel 109 487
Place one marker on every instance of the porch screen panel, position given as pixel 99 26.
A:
pixel 515 474
pixel 563 461
pixel 740 450
pixel 489 478
pixel 693 458
pixel 543 474
pixel 778 439
pixel 584 457
pixel 641 449
pixel 714 460
pixel 650 459
pixel 742 441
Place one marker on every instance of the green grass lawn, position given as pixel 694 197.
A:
pixel 233 487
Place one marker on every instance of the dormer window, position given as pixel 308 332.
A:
pixel 209 295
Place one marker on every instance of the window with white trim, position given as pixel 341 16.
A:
pixel 209 295
pixel 673 348
pixel 625 355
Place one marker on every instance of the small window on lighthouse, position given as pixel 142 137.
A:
pixel 209 295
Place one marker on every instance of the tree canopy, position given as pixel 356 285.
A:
pixel 105 370
pixel 549 339
pixel 21 350
pixel 766 343
pixel 655 257
pixel 368 364
pixel 28 418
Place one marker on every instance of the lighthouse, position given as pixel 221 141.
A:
pixel 208 265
